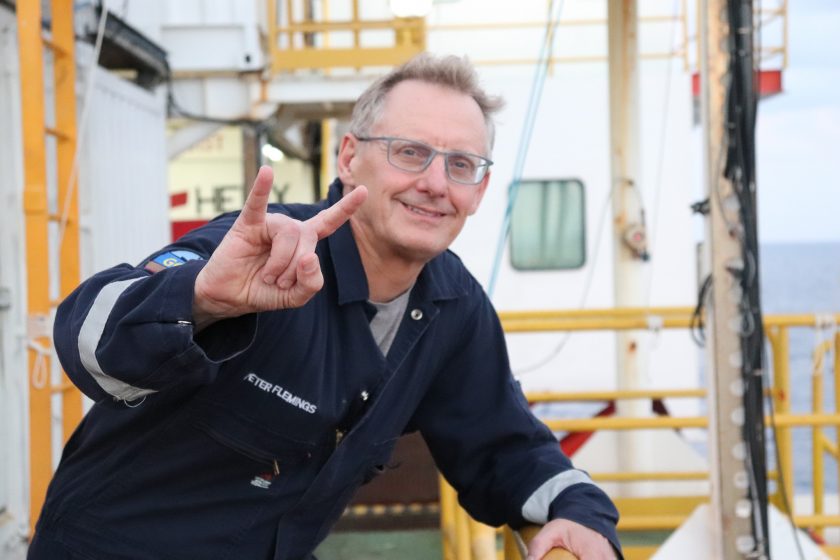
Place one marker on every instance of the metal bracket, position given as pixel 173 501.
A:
pixel 5 298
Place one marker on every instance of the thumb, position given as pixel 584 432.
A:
pixel 542 544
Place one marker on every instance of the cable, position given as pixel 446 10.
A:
pixel 696 324
pixel 83 120
pixel 175 110
pixel 525 140
pixel 662 137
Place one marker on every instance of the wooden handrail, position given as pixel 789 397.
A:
pixel 529 533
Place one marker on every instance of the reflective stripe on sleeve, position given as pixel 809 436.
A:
pixel 536 506
pixel 90 335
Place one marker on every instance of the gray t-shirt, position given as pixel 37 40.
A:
pixel 387 320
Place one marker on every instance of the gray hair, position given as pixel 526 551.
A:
pixel 448 71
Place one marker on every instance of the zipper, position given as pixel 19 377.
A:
pixel 242 450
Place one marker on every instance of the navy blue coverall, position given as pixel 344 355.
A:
pixel 248 439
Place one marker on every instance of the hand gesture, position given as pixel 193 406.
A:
pixel 266 261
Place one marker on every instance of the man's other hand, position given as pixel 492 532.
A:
pixel 581 541
pixel 267 261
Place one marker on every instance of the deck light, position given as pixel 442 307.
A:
pixel 272 153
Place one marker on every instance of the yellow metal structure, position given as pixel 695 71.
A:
pixel 39 269
pixel 306 41
pixel 301 41
pixel 668 512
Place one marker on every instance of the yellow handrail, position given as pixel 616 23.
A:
pixel 527 534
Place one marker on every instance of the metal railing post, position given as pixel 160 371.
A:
pixel 447 519
pixel 780 342
pixel 836 378
pixel 818 443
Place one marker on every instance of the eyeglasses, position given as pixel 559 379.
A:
pixel 415 156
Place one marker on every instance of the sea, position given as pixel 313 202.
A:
pixel 804 278
pixel 799 278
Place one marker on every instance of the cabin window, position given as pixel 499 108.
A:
pixel 548 225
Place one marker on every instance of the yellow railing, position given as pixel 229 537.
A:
pixel 305 36
pixel 465 539
pixel 301 39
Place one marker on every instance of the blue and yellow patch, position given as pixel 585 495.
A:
pixel 170 259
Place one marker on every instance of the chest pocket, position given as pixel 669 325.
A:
pixel 280 437
pixel 249 407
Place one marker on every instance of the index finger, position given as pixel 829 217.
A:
pixel 330 219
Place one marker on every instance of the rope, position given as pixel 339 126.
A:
pixel 39 369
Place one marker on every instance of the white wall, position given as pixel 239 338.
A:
pixel 123 213
pixel 123 197
pixel 13 359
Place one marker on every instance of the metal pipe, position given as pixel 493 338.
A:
pixel 596 313
pixel 678 317
pixel 780 345
pixel 650 475
pixel 785 34
pixel 448 504
pixel 482 540
pixel 290 19
pixel 817 438
pixel 836 372
pixel 550 396
pixel 327 159
pixel 462 534
pixel 356 35
pixel 677 422
pixel 478 26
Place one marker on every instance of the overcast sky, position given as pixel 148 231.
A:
pixel 799 132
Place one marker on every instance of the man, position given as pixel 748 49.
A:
pixel 243 395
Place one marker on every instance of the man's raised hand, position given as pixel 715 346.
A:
pixel 267 261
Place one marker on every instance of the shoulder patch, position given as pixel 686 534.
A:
pixel 170 259
pixel 187 255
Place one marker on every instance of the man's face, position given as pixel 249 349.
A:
pixel 409 215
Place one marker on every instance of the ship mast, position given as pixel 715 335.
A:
pixel 738 472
